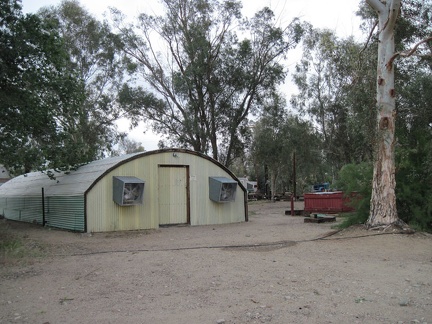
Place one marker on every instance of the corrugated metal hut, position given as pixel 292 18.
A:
pixel 130 192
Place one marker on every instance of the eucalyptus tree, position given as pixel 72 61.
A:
pixel 208 70
pixel 34 78
pixel 128 146
pixel 95 55
pixel 383 201
pixel 281 140
pixel 335 84
pixel 268 147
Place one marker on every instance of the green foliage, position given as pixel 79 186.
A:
pixel 209 79
pixel 95 55
pixel 413 127
pixel 414 152
pixel 413 26
pixel 129 146
pixel 278 137
pixel 413 186
pixel 356 179
pixel 60 75
pixel 413 123
pixel 34 84
pixel 335 84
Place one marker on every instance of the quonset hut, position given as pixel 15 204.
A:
pixel 130 192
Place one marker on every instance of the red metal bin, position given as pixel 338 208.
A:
pixel 326 202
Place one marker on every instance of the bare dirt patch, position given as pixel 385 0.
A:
pixel 272 269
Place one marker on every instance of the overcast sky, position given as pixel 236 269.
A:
pixel 333 14
pixel 336 15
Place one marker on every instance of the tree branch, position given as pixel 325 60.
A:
pixel 394 12
pixel 376 5
pixel 369 37
pixel 407 53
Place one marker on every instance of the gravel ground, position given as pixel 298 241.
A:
pixel 272 269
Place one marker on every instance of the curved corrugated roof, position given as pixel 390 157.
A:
pixel 79 181
pixel 70 184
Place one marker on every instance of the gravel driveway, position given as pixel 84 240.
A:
pixel 272 269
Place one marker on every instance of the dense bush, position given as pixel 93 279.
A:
pixel 414 187
pixel 356 178
pixel 413 190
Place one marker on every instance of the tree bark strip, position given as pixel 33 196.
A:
pixel 383 201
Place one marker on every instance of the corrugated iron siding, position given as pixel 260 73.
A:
pixel 65 184
pixel 25 209
pixel 203 210
pixel 65 212
pixel 105 215
pixel 65 203
pixel 61 212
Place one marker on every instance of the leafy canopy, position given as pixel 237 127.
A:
pixel 34 82
pixel 204 80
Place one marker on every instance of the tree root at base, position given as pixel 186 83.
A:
pixel 397 227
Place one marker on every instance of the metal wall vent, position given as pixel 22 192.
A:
pixel 128 191
pixel 222 189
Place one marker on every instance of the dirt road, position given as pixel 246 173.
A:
pixel 272 269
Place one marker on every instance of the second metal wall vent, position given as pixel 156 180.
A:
pixel 128 191
pixel 222 189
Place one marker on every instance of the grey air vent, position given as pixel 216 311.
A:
pixel 128 191
pixel 222 189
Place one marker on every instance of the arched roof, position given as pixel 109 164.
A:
pixel 81 180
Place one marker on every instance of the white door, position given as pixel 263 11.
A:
pixel 173 195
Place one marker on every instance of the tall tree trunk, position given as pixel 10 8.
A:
pixel 383 209
pixel 273 176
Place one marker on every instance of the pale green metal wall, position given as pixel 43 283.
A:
pixel 65 212
pixel 61 212
pixel 104 215
pixel 25 209
pixel 68 205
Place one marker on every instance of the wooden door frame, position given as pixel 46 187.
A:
pixel 187 186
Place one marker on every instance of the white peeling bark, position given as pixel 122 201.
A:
pixel 383 209
pixel 273 184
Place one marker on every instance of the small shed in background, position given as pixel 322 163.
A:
pixel 4 175
pixel 130 192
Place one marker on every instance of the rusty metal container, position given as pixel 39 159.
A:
pixel 327 202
